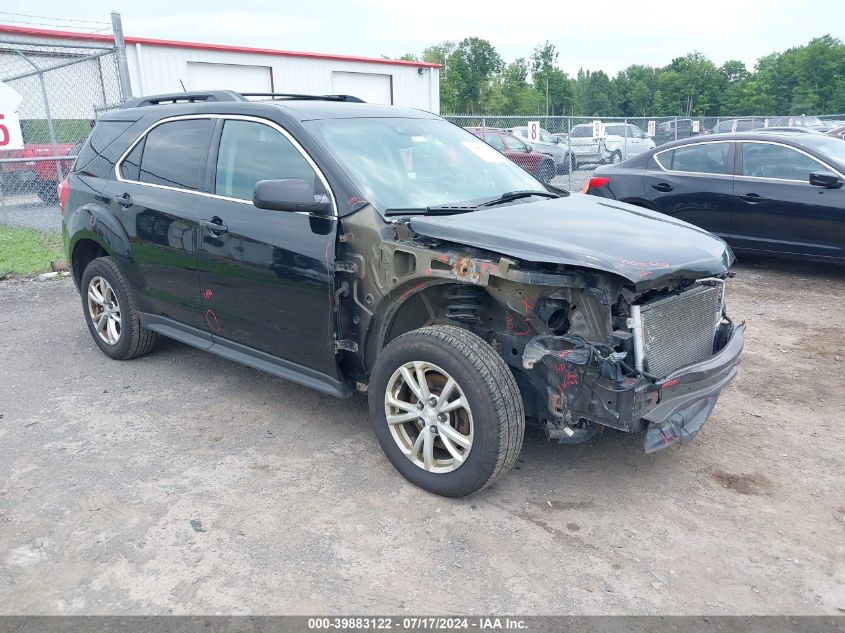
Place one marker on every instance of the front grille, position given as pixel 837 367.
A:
pixel 679 330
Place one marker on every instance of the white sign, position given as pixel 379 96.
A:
pixel 696 127
pixel 598 129
pixel 10 125
pixel 652 128
pixel 533 131
pixel 765 123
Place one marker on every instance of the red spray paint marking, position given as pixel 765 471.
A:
pixel 645 274
pixel 525 305
pixel 669 383
pixel 410 291
pixel 564 353
pixel 206 294
pixel 443 258
pixel 510 325
pixel 211 320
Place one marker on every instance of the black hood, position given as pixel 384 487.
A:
pixel 640 245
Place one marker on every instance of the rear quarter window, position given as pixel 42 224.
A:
pixel 102 136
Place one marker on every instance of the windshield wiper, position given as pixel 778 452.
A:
pixel 516 195
pixel 441 209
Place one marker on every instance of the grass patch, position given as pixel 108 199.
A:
pixel 26 251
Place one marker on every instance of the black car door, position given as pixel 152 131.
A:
pixel 694 183
pixel 266 276
pixel 156 198
pixel 778 210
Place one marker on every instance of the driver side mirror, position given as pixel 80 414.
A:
pixel 825 179
pixel 289 194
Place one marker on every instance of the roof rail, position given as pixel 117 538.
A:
pixel 184 97
pixel 289 95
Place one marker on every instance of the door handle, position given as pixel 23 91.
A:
pixel 124 200
pixel 215 225
pixel 752 198
pixel 662 186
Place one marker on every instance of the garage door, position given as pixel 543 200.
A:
pixel 237 77
pixel 370 87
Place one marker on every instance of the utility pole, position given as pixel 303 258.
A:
pixel 547 94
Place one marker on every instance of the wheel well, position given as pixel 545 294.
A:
pixel 84 252
pixel 459 304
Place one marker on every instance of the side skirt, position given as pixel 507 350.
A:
pixel 245 355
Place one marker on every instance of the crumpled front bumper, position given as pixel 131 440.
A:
pixel 582 386
pixel 689 394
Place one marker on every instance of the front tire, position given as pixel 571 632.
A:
pixel 111 312
pixel 446 410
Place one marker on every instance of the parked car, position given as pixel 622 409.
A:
pixel 27 175
pixel 812 122
pixel 737 125
pixel 535 163
pixel 549 145
pixel 356 247
pixel 586 148
pixel 776 193
pixel 625 140
pixel 666 132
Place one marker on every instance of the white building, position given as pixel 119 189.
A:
pixel 161 66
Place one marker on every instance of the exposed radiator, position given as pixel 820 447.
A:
pixel 680 329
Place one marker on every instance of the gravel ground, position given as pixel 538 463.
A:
pixel 27 211
pixel 183 483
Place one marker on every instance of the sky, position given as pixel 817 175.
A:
pixel 610 38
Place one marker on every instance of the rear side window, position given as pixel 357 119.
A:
pixel 582 131
pixel 705 158
pixel 250 152
pixel 175 153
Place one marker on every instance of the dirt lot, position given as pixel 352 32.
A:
pixel 183 483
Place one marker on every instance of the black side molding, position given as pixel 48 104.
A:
pixel 245 355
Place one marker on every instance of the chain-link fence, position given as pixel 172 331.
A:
pixel 577 145
pixel 64 85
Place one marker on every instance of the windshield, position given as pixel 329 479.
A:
pixel 830 147
pixel 418 163
pixel 547 137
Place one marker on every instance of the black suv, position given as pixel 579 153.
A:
pixel 356 247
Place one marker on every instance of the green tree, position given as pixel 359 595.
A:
pixel 477 63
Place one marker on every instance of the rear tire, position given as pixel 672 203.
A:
pixel 484 421
pixel 546 170
pixel 48 192
pixel 111 312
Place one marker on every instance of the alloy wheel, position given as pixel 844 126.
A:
pixel 429 417
pixel 104 310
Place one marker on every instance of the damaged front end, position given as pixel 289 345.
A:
pixel 625 344
pixel 590 384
